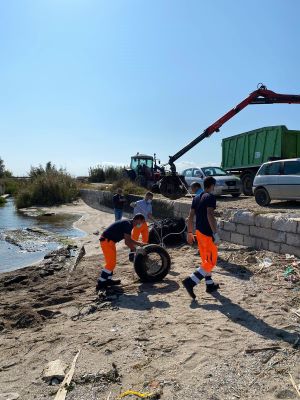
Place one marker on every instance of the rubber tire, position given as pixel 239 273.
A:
pixel 141 268
pixel 247 181
pixel 262 197
pixel 236 195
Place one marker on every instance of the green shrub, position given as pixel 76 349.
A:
pixel 128 187
pixel 47 188
pixel 2 201
pixel 107 174
pixel 12 186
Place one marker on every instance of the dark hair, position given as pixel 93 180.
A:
pixel 139 216
pixel 195 185
pixel 209 181
pixel 149 194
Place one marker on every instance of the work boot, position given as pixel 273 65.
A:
pixel 189 284
pixel 113 282
pixel 213 287
pixel 101 285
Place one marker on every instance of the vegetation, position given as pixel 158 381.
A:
pixel 2 201
pixel 4 173
pixel 128 187
pixel 47 187
pixel 108 174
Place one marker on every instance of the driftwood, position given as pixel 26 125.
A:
pixel 249 351
pixel 63 389
pixel 294 384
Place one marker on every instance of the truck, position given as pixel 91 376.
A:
pixel 243 154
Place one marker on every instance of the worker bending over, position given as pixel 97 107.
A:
pixel 144 207
pixel 203 207
pixel 113 234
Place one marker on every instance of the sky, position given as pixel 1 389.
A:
pixel 88 82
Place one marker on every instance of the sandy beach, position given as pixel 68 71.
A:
pixel 241 343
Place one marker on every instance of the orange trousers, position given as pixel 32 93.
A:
pixel 143 230
pixel 208 251
pixel 110 254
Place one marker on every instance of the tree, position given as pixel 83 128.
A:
pixel 2 168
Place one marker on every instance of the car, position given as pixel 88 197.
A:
pixel 277 180
pixel 226 183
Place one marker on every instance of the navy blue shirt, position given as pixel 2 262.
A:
pixel 118 204
pixel 200 204
pixel 117 230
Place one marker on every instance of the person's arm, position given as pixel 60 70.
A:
pixel 190 224
pixel 132 243
pixel 213 224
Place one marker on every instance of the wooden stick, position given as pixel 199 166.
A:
pixel 262 349
pixel 63 389
pixel 294 384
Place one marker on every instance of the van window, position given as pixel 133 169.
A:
pixel 273 169
pixel 188 172
pixel 291 168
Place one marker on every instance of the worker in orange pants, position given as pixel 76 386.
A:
pixel 144 207
pixel 116 232
pixel 203 207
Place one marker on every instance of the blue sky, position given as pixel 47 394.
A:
pixel 86 82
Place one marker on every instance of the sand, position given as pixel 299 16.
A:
pixel 151 338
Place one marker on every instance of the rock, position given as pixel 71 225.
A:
pixel 9 396
pixel 251 259
pixel 17 279
pixel 54 370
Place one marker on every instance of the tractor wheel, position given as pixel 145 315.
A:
pixel 152 264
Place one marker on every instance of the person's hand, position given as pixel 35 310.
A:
pixel 190 238
pixel 133 204
pixel 217 238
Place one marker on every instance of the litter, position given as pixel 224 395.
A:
pixel 138 394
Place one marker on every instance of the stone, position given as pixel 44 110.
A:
pixel 264 220
pixel 244 217
pixel 293 239
pixel 270 234
pixel 16 279
pixel 226 236
pixel 249 241
pixel 54 370
pixel 261 244
pixel 274 247
pixel 286 249
pixel 229 226
pixel 285 224
pixel 237 238
pixel 9 396
pixel 243 229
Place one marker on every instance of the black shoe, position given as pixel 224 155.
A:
pixel 113 282
pixel 101 285
pixel 213 287
pixel 189 284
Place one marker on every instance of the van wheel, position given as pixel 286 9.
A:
pixel 262 197
pixel 247 181
pixel 152 264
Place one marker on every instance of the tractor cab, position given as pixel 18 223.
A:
pixel 144 170
pixel 140 162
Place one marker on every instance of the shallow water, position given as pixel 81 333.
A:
pixel 35 245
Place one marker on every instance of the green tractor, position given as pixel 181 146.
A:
pixel 144 171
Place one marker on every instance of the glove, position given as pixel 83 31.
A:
pixel 131 256
pixel 217 238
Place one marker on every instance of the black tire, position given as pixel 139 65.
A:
pixel 152 270
pixel 155 188
pixel 236 195
pixel 262 197
pixel 247 181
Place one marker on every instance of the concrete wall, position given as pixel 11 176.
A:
pixel 274 232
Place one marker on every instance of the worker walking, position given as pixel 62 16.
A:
pixel 196 188
pixel 118 202
pixel 144 207
pixel 116 232
pixel 203 207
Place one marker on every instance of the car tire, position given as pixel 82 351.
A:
pixel 143 264
pixel 262 197
pixel 236 195
pixel 247 181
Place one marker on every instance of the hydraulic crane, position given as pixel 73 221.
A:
pixel 173 185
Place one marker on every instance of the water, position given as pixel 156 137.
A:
pixel 33 245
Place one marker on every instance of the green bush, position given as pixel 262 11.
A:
pixel 12 186
pixel 107 174
pixel 2 201
pixel 47 188
pixel 128 187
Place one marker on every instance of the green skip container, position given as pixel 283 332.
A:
pixel 245 153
